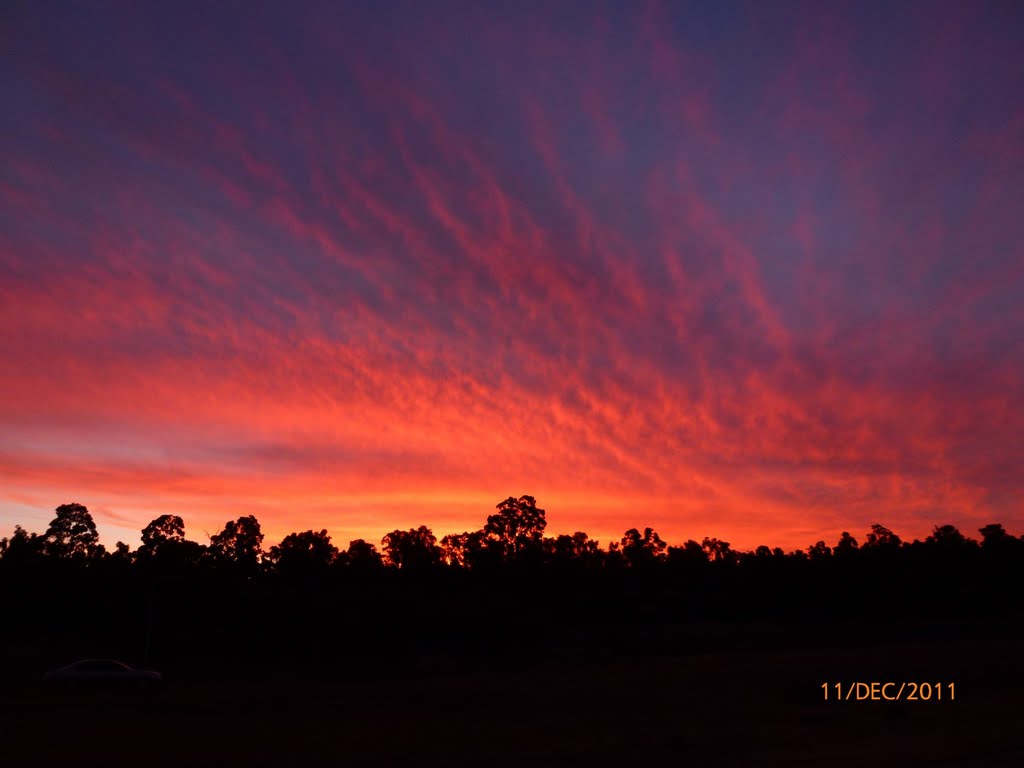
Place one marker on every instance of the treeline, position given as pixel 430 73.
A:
pixel 503 590
pixel 512 537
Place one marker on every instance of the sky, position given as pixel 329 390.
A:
pixel 744 270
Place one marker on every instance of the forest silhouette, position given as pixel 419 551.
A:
pixel 512 538
pixel 471 591
pixel 632 653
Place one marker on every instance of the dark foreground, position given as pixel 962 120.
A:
pixel 687 694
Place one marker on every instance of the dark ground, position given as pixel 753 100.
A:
pixel 679 694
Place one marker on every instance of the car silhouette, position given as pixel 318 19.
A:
pixel 97 673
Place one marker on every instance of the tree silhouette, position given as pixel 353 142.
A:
pixel 718 551
pixel 847 545
pixel 819 551
pixel 165 547
pixel 464 550
pixel 361 555
pixel 72 534
pixel 949 542
pixel 305 554
pixel 994 536
pixel 688 555
pixel 642 573
pixel 641 549
pixel 578 549
pixel 239 544
pixel 881 538
pixel 998 546
pixel 517 526
pixel 163 529
pixel 161 535
pixel 412 549
pixel 21 546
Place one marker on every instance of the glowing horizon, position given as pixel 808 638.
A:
pixel 753 273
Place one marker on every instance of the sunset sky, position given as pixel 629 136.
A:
pixel 753 271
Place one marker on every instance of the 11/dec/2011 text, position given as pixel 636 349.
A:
pixel 888 691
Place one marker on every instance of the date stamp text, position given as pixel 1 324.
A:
pixel 889 691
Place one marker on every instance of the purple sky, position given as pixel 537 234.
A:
pixel 753 271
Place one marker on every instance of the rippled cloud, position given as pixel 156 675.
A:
pixel 751 272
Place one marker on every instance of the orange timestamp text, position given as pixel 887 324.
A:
pixel 888 691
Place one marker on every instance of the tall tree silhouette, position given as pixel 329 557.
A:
pixel 72 533
pixel 165 547
pixel 415 548
pixel 517 526
pixel 165 532
pixel 240 543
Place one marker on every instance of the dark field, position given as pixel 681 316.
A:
pixel 700 693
